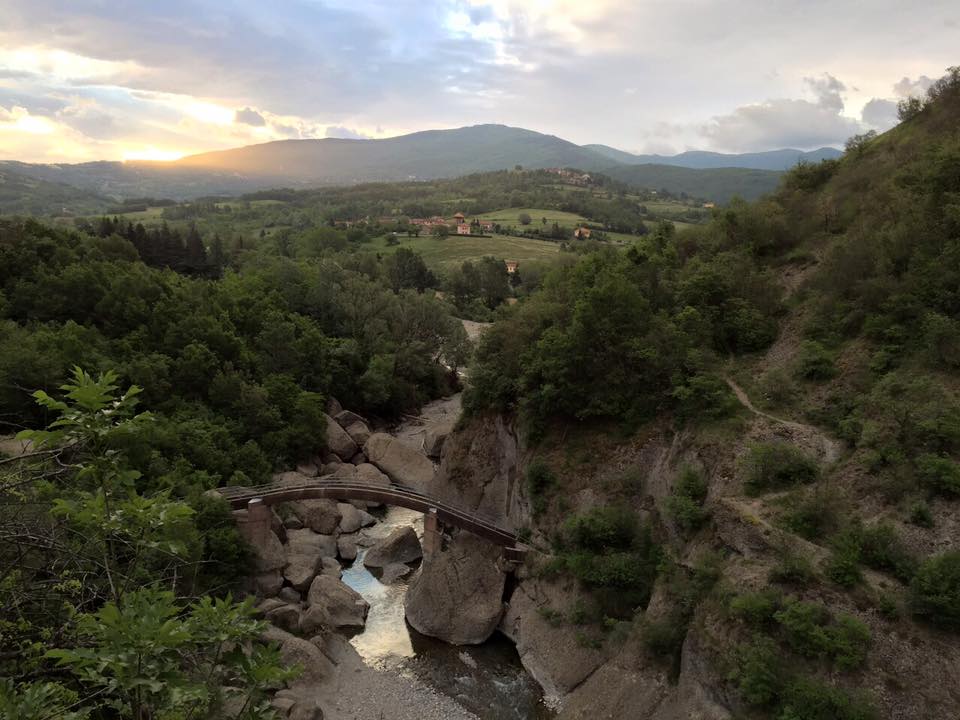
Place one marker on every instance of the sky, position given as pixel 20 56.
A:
pixel 132 79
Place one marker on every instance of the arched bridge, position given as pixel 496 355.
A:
pixel 436 513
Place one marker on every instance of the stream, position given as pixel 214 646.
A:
pixel 488 679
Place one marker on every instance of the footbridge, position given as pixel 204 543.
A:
pixel 437 514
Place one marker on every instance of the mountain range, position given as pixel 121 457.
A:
pixel 418 156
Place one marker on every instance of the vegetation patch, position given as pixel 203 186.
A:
pixel 776 466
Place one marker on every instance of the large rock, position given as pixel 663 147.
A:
pixel 436 435
pixel 402 463
pixel 286 617
pixel 457 595
pixel 321 516
pixel 267 552
pixel 342 606
pixel 338 440
pixel 359 432
pixel 350 518
pixel 305 552
pixel 343 471
pixel 346 418
pixel 268 584
pixel 296 651
pixel 400 546
pixel 393 572
pixel 371 475
pixel 347 547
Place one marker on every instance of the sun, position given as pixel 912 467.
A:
pixel 152 153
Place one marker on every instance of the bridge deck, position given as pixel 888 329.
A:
pixel 238 497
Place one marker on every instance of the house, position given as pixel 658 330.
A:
pixel 463 229
pixel 511 266
pixel 709 206
pixel 582 233
pixel 459 218
pixel 486 226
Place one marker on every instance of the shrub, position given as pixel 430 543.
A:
pixel 777 465
pixel 758 671
pixel 685 504
pixel 540 480
pixel 793 569
pixel 804 627
pixel 920 515
pixel 939 474
pixel 813 515
pixel 849 640
pixel 882 549
pixel 935 590
pixel 705 396
pixel 811 699
pixel 815 362
pixel 603 528
pixel 843 567
pixel 664 638
pixel 756 608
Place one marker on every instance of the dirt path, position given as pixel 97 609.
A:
pixel 830 449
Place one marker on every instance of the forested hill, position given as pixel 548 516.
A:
pixel 778 160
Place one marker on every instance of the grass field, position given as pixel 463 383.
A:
pixel 451 251
pixel 510 217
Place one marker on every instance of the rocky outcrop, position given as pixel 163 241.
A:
pixel 338 440
pixel 305 551
pixel 435 436
pixel 400 546
pixel 403 464
pixel 457 596
pixel 340 605
pixel 548 650
pixel 393 572
pixel 321 516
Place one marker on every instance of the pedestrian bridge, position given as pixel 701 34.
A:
pixel 436 513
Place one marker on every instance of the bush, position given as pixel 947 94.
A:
pixel 935 590
pixel 540 480
pixel 758 671
pixel 793 569
pixel 882 549
pixel 756 608
pixel 777 465
pixel 939 474
pixel 809 630
pixel 811 699
pixel 603 528
pixel 813 515
pixel 920 515
pixel 843 567
pixel 685 504
pixel 815 362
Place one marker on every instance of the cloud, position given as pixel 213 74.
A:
pixel 917 88
pixel 249 116
pixel 827 89
pixel 338 131
pixel 879 114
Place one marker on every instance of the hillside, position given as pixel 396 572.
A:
pixel 737 451
pixel 25 195
pixel 777 160
pixel 719 184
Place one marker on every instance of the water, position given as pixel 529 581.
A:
pixel 488 679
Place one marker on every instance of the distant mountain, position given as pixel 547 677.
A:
pixel 22 194
pixel 702 160
pixel 419 156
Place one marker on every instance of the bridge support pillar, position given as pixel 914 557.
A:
pixel 255 523
pixel 432 533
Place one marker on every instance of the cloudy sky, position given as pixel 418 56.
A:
pixel 115 79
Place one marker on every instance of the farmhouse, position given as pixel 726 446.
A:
pixel 459 218
pixel 582 233
pixel 511 266
pixel 463 229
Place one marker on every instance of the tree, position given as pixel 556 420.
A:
pixel 524 218
pixel 406 269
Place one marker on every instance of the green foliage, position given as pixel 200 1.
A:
pixel 812 515
pixel 939 474
pixel 843 567
pixel 775 466
pixel 881 548
pixel 540 482
pixel 815 362
pixel 758 671
pixel 756 608
pixel 793 568
pixel 609 527
pixel 935 590
pixel 39 701
pixel 685 503
pixel 920 515
pixel 809 699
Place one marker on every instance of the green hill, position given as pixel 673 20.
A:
pixel 717 184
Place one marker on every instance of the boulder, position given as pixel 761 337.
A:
pixel 333 406
pixel 292 522
pixel 358 459
pixel 338 441
pixel 267 552
pixel 286 617
pixel 321 516
pixel 347 547
pixel 457 595
pixel 393 572
pixel 331 567
pixel 282 705
pixel 371 475
pixel 346 418
pixel 402 463
pixel 297 651
pixel 366 519
pixel 290 477
pixel 359 432
pixel 306 709
pixel 305 550
pixel 268 584
pixel 314 619
pixel 343 606
pixel 265 606
pixel 350 520
pixel 400 546
pixel 289 595
pixel 344 471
